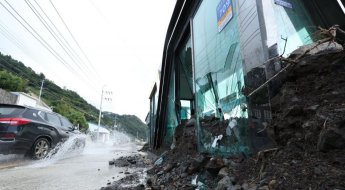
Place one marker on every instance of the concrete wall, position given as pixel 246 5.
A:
pixel 7 98
pixel 26 100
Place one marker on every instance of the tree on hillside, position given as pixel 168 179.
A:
pixel 74 116
pixel 11 82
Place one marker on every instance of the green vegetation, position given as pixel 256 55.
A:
pixel 130 124
pixel 15 76
pixel 11 82
pixel 76 117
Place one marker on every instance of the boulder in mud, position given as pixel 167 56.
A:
pixel 224 183
pixel 332 138
pixel 214 165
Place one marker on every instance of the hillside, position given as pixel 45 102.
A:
pixel 15 76
pixel 130 124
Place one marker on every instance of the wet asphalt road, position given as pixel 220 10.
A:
pixel 86 170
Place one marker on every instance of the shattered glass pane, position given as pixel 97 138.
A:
pixel 293 24
pixel 221 107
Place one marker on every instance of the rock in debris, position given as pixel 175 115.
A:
pixel 169 167
pixel 223 172
pixel 224 183
pixel 318 171
pixel 332 138
pixel 214 165
pixel 111 162
pixel 197 163
pixel 236 187
pixel 264 188
pixel 132 160
pixel 315 49
pixel 149 182
pixel 272 184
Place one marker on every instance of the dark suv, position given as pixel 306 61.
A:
pixel 31 131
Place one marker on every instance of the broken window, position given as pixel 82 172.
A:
pixel 220 105
pixel 184 78
pixel 294 24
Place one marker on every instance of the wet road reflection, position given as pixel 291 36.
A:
pixel 86 170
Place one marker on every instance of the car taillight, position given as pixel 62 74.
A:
pixel 14 121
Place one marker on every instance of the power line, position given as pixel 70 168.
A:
pixel 39 38
pixel 74 39
pixel 58 36
pixel 10 37
pixel 46 25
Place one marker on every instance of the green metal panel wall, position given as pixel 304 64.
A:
pixel 171 119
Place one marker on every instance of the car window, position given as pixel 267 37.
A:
pixel 53 119
pixel 7 110
pixel 66 124
pixel 42 115
pixel 32 114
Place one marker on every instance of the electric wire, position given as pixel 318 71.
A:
pixel 40 39
pixel 74 39
pixel 64 41
pixel 46 25
pixel 10 37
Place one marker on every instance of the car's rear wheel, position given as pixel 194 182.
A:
pixel 40 149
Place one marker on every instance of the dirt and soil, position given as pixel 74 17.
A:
pixel 308 126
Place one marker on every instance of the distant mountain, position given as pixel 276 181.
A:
pixel 64 101
pixel 129 124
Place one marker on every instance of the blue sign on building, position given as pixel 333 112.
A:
pixel 224 13
pixel 283 3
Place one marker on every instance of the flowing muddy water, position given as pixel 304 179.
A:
pixel 88 169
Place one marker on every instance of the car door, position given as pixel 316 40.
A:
pixel 38 127
pixel 55 121
pixel 66 124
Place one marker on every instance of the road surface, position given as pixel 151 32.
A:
pixel 86 170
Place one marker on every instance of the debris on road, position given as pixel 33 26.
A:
pixel 137 161
pixel 131 180
pixel 308 127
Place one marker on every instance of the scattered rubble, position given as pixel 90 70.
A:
pixel 133 179
pixel 126 183
pixel 308 126
pixel 137 161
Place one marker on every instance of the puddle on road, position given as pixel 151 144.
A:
pixel 61 151
pixel 72 168
pixel 67 149
pixel 11 160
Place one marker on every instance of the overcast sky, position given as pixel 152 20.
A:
pixel 123 42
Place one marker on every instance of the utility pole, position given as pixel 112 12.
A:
pixel 100 114
pixel 100 109
pixel 39 98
